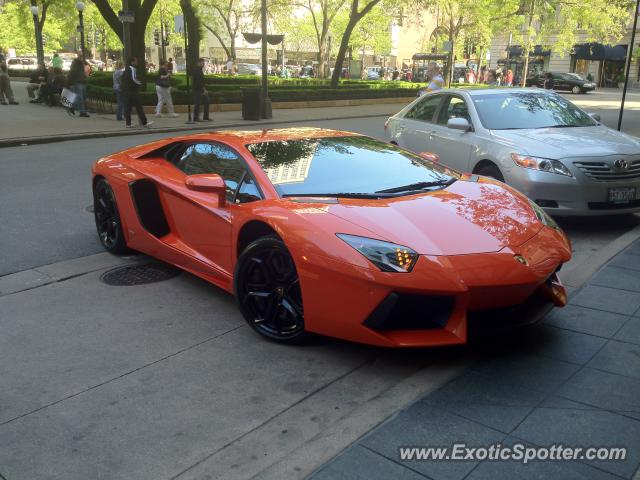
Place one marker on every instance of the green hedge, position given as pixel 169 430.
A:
pixel 276 94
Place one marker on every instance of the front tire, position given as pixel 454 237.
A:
pixel 576 89
pixel 107 217
pixel 268 292
pixel 490 171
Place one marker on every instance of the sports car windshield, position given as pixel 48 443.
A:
pixel 512 111
pixel 349 166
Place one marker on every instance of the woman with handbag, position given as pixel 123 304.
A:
pixel 163 90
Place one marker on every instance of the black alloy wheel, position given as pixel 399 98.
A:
pixel 268 291
pixel 108 224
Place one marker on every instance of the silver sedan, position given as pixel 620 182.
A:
pixel 543 145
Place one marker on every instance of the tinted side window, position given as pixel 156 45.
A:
pixel 425 109
pixel 248 191
pixel 213 158
pixel 456 108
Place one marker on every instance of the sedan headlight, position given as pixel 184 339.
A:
pixel 542 164
pixel 543 216
pixel 388 257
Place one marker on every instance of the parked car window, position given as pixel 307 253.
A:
pixel 213 158
pixel 511 111
pixel 456 108
pixel 425 109
pixel 248 191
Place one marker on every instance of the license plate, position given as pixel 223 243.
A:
pixel 622 195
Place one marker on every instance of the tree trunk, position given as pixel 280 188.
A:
pixel 193 32
pixel 354 18
pixel 227 50
pixel 342 51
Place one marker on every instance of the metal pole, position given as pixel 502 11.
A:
pixel 162 33
pixel 266 106
pixel 38 33
pixel 628 66
pixel 81 19
pixel 186 68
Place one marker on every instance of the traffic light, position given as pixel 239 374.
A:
pixel 156 37
pixel 44 39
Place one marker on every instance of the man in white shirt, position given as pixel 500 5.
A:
pixel 230 67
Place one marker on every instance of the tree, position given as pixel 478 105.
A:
pixel 193 33
pixel 323 12
pixel 225 19
pixel 556 22
pixel 142 10
pixel 53 21
pixel 355 15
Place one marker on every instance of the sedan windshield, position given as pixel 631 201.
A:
pixel 351 166
pixel 511 111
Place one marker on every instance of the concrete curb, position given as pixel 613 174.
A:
pixel 25 141
pixel 575 276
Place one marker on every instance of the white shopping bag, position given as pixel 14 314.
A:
pixel 67 98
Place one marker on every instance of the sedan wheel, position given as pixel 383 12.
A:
pixel 268 291
pixel 576 89
pixel 108 224
pixel 491 171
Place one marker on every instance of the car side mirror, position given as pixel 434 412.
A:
pixel 595 116
pixel 458 123
pixel 209 183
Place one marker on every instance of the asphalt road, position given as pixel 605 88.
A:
pixel 45 191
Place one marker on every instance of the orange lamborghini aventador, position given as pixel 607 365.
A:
pixel 328 232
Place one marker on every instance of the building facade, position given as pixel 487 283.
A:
pixel 602 63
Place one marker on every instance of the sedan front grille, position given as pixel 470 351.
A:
pixel 604 172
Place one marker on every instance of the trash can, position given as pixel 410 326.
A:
pixel 251 103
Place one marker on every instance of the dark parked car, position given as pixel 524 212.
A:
pixel 568 82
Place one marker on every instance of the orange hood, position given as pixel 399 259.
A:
pixel 465 218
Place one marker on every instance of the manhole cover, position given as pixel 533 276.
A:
pixel 139 274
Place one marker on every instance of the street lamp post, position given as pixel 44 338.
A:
pixel 80 8
pixel 36 25
pixel 266 105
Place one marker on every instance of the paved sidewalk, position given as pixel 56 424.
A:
pixel 574 380
pixel 32 123
pixel 28 124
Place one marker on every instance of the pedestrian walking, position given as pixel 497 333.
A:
pixel 200 94
pixel 77 82
pixel 131 94
pixel 548 81
pixel 170 66
pixel 6 94
pixel 117 89
pixel 163 90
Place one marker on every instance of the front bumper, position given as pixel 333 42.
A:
pixel 430 305
pixel 574 196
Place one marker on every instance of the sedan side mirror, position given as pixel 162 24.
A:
pixel 595 116
pixel 208 182
pixel 458 123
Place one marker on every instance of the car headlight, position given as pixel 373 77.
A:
pixel 387 256
pixel 542 164
pixel 543 216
